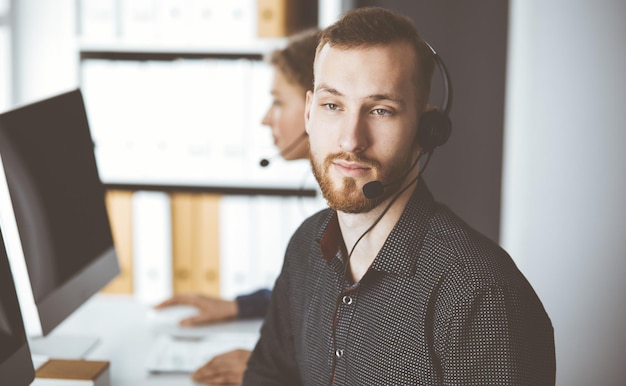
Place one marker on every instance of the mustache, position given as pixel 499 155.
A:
pixel 350 157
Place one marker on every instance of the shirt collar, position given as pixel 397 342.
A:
pixel 331 240
pixel 400 251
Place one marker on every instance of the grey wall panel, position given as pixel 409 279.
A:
pixel 471 37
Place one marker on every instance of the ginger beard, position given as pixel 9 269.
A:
pixel 348 197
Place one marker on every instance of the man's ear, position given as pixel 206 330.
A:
pixel 307 110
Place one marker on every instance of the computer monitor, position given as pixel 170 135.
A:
pixel 65 249
pixel 16 366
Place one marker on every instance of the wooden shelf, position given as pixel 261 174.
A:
pixel 226 190
pixel 255 49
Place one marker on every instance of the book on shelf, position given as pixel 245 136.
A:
pixel 276 17
pixel 195 243
pixel 152 247
pixel 120 207
pixel 181 22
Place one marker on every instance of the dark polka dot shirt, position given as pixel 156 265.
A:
pixel 440 305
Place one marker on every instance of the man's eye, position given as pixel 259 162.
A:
pixel 381 112
pixel 331 106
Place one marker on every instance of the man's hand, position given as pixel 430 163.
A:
pixel 227 368
pixel 211 309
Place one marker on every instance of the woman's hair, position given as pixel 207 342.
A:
pixel 295 61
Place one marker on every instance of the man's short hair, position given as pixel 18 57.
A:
pixel 374 26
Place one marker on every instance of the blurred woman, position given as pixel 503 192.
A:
pixel 292 76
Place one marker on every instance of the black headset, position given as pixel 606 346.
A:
pixel 435 126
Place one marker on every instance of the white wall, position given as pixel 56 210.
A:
pixel 564 211
pixel 45 55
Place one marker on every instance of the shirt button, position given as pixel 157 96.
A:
pixel 347 300
pixel 339 353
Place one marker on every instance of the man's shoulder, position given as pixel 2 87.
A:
pixel 452 230
pixel 316 220
pixel 312 226
pixel 468 251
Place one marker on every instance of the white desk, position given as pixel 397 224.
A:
pixel 121 323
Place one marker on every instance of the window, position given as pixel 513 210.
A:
pixel 5 55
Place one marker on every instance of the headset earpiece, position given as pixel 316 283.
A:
pixel 434 130
pixel 435 126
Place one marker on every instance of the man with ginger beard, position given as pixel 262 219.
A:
pixel 391 288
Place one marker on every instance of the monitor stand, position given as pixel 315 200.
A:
pixel 62 346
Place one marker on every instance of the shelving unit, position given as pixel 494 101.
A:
pixel 187 149
pixel 253 49
pixel 153 42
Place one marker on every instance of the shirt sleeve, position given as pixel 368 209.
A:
pixel 498 336
pixel 273 361
pixel 253 305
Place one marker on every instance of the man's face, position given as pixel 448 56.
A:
pixel 362 121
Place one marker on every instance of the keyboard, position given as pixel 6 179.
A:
pixel 185 354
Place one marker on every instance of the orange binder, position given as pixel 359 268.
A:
pixel 277 18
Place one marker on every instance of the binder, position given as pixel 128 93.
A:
pixel 152 247
pixel 98 20
pixel 173 20
pixel 195 243
pixel 120 208
pixel 238 249
pixel 208 244
pixel 276 18
pixel 138 20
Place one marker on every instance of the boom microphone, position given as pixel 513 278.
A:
pixel 266 161
pixel 374 189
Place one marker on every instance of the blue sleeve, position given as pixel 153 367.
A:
pixel 253 305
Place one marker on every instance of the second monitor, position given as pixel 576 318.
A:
pixel 16 367
pixel 64 247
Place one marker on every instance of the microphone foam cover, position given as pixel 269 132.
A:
pixel 373 189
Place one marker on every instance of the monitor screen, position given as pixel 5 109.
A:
pixel 58 205
pixel 16 366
